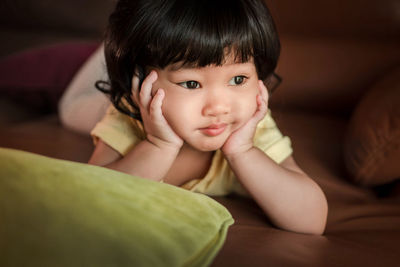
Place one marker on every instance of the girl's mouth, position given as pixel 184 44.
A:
pixel 214 129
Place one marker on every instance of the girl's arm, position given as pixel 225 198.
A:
pixel 153 157
pixel 144 160
pixel 287 195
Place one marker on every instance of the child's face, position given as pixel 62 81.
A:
pixel 205 105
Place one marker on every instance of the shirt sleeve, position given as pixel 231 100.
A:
pixel 269 139
pixel 118 130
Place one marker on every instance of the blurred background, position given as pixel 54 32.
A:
pixel 342 46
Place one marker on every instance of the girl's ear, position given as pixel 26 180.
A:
pixel 272 82
pixel 135 87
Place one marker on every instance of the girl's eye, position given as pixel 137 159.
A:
pixel 237 80
pixel 190 85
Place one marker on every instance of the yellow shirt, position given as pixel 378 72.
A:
pixel 122 133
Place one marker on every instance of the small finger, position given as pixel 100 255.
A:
pixel 156 104
pixel 263 91
pixel 261 109
pixel 145 92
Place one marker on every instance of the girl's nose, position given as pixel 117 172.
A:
pixel 216 104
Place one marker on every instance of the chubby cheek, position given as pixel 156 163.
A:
pixel 246 107
pixel 171 103
pixel 177 111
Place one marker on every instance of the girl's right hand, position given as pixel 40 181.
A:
pixel 156 127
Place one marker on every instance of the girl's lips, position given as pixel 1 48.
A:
pixel 214 129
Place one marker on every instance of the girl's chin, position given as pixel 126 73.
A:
pixel 209 149
pixel 206 147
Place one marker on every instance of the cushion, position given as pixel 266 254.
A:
pixel 372 146
pixel 38 76
pixel 62 213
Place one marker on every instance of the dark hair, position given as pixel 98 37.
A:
pixel 157 33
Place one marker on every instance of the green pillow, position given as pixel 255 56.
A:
pixel 61 213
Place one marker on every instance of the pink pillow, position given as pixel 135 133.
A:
pixel 38 76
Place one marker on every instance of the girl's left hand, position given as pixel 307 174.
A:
pixel 241 140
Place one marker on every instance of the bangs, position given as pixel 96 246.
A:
pixel 201 33
pixel 192 33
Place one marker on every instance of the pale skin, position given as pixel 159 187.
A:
pixel 188 113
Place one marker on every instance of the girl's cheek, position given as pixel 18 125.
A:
pixel 251 100
pixel 249 107
pixel 245 113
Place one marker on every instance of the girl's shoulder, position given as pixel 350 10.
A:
pixel 270 139
pixel 118 130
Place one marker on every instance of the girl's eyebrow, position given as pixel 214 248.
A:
pixel 176 67
pixel 179 66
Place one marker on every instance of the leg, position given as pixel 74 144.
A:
pixel 82 105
